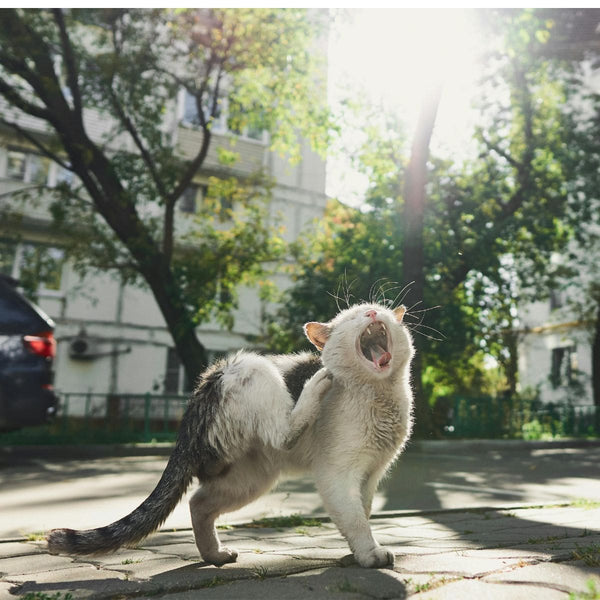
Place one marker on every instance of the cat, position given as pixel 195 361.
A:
pixel 344 416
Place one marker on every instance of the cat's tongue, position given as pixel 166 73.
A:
pixel 380 357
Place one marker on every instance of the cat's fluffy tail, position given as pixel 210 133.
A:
pixel 145 519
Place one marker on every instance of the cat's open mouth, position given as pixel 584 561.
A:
pixel 374 345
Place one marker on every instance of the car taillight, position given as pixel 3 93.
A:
pixel 42 344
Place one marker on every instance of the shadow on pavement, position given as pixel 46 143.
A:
pixel 281 582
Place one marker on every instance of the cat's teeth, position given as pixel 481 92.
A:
pixel 368 330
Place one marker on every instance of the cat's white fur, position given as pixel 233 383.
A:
pixel 350 423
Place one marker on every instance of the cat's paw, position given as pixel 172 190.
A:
pixel 318 385
pixel 377 558
pixel 222 557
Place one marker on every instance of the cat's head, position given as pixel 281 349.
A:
pixel 367 340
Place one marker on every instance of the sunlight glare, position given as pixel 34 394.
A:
pixel 396 56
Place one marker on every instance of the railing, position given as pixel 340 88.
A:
pixel 127 417
pixel 516 418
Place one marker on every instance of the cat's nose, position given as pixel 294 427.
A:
pixel 371 313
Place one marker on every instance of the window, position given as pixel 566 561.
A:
pixel 190 110
pixel 556 299
pixel 43 265
pixel 172 372
pixel 36 266
pixel 225 206
pixel 15 165
pixel 187 202
pixel 30 168
pixel 37 169
pixel 564 366
pixel 191 116
pixel 221 122
pixel 176 381
pixel 8 251
pixel 64 176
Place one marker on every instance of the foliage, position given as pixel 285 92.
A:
pixel 491 223
pixel 128 67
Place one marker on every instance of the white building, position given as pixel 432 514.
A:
pixel 112 338
pixel 555 352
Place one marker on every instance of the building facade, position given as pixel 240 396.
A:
pixel 555 352
pixel 111 337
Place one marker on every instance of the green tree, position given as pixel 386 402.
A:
pixel 129 65
pixel 578 274
pixel 488 226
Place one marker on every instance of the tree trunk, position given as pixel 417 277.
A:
pixel 511 365
pixel 190 350
pixel 413 257
pixel 596 368
pixel 107 193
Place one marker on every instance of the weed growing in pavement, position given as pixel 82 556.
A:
pixel 585 503
pixel 344 587
pixel 593 592
pixel 214 582
pixel 45 596
pixel 131 561
pixel 260 572
pixel 284 522
pixel 590 555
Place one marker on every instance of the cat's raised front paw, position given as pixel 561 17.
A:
pixel 318 385
pixel 377 558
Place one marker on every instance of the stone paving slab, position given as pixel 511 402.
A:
pixel 531 553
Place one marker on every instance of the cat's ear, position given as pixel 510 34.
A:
pixel 399 312
pixel 317 333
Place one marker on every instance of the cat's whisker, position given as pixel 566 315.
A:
pixel 417 326
pixel 374 295
pixel 399 299
pixel 422 310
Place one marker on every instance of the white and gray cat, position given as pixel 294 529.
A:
pixel 344 417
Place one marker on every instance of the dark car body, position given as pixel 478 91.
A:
pixel 27 350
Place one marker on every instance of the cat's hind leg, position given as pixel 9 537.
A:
pixel 244 482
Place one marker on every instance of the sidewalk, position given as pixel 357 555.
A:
pixel 529 553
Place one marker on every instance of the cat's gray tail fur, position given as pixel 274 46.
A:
pixel 192 456
pixel 145 519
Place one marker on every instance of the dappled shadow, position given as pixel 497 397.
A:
pixel 484 488
pixel 277 581
pixel 468 476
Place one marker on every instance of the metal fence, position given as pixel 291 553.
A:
pixel 517 418
pixel 126 418
pixel 131 417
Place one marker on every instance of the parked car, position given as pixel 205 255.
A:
pixel 27 350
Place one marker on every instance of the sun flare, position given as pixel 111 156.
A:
pixel 397 56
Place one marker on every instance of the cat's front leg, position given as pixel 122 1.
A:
pixel 342 497
pixel 307 407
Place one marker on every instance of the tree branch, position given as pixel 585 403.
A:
pixel 523 99
pixel 198 160
pixel 22 190
pixel 14 98
pixel 25 41
pixel 72 74
pixel 131 129
pixel 30 138
pixel 495 148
